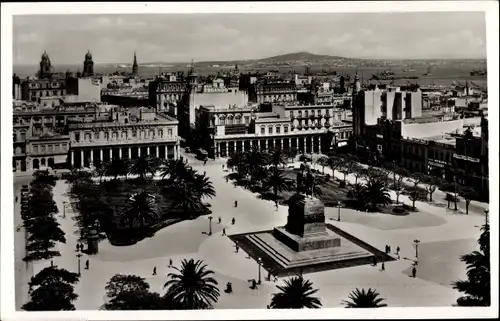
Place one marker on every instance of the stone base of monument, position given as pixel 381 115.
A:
pixel 282 259
pixel 313 241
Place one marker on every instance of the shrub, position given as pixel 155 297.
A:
pixel 399 210
pixel 342 184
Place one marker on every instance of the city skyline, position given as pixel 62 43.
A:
pixel 225 37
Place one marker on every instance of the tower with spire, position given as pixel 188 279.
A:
pixel 46 69
pixel 135 66
pixel 88 65
pixel 192 75
pixel 357 83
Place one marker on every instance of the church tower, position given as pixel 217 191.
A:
pixel 46 69
pixel 135 66
pixel 357 83
pixel 88 65
pixel 192 75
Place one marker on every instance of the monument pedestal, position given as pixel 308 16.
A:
pixel 305 229
pixel 92 242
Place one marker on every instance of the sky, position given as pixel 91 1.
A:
pixel 208 37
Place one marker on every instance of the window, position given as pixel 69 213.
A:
pixel 262 130
pixel 152 133
pixel 307 113
pixel 247 120
pixel 141 135
pixel 106 136
pixel 278 129
pixel 35 148
pixel 134 133
pixel 23 136
pixel 285 129
pixel 270 130
pixel 160 133
pixel 87 137
pixel 124 135
pixel 49 148
pixel 170 132
pixel 14 136
pixel 222 121
pixel 237 121
pixel 77 137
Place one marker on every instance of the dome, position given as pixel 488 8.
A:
pixel 45 55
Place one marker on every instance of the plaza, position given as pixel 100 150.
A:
pixel 444 235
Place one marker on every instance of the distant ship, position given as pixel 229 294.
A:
pixel 429 71
pixel 479 72
pixel 408 70
pixel 387 74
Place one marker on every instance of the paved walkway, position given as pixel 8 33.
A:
pixel 188 240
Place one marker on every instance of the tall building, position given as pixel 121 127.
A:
pixel 46 69
pixel 135 66
pixel 88 65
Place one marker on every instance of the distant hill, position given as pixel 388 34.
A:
pixel 300 56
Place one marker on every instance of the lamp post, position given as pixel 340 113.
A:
pixel 64 209
pixel 394 170
pixel 486 212
pixel 339 205
pixel 259 261
pixel 417 241
pixel 79 255
pixel 210 225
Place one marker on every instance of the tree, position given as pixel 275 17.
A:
pixel 334 163
pixel 130 292
pixel 175 170
pixel 141 211
pixel 143 166
pixel 431 184
pixel 323 162
pixel 477 287
pixel 358 171
pixel 277 182
pixel 100 170
pixel 346 168
pixel 415 179
pixel 277 157
pixel 202 186
pixel 296 293
pixel 192 288
pixel 238 161
pixel 51 289
pixel 254 160
pixel 117 167
pixel 453 187
pixel 120 283
pixel 43 177
pixel 468 194
pixel 364 299
pixel 41 225
pixel 375 194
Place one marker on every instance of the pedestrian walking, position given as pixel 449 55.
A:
pixel 87 265
pixel 170 262
pixel 17 198
pixel 397 250
pixel 227 179
pixel 204 162
pixel 204 173
pixel 235 203
pixel 383 266
pixel 154 270
pixel 237 248
pixel 51 263
pixel 388 249
pixel 276 204
pixel 233 221
pixel 219 219
pixel 414 272
pixel 223 231
pixel 222 166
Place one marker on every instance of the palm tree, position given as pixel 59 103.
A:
pixel 141 211
pixel 202 186
pixel 364 299
pixel 175 169
pixel 117 167
pixel 100 171
pixel 477 287
pixel 278 182
pixel 192 288
pixel 186 199
pixel 143 166
pixel 296 293
pixel 254 161
pixel 238 160
pixel 277 157
pixel 376 193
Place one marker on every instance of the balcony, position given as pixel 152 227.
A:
pixel 120 142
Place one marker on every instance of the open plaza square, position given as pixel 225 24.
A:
pixel 444 235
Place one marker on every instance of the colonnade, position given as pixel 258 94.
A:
pixel 86 156
pixel 303 144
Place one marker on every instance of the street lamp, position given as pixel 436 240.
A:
pixel 486 212
pixel 416 241
pixel 259 261
pixel 210 225
pixel 79 255
pixel 64 209
pixel 339 205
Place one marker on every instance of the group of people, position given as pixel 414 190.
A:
pixel 170 263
